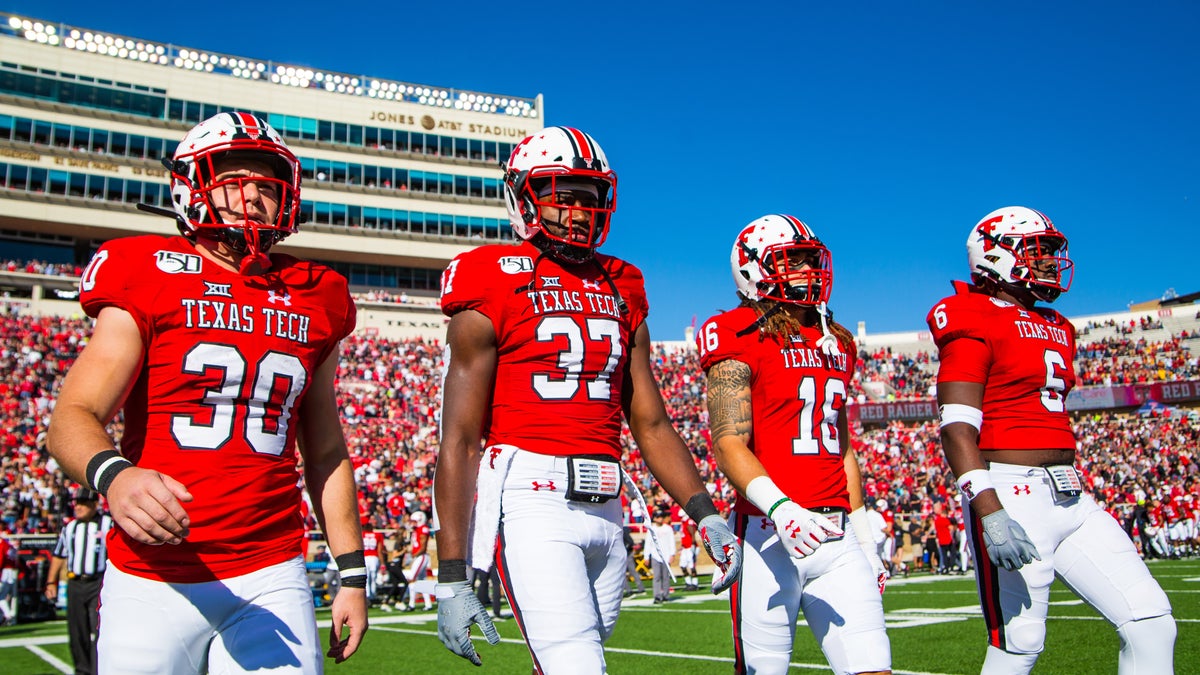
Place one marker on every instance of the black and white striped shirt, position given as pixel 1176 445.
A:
pixel 82 544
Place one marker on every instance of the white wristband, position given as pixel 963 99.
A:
pixel 975 481
pixel 957 412
pixel 765 494
pixel 862 528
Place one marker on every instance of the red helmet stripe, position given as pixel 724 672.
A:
pixel 801 228
pixel 250 122
pixel 582 142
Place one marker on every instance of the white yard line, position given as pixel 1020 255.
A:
pixel 53 660
pixel 670 655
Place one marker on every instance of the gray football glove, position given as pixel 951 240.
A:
pixel 458 608
pixel 724 549
pixel 1007 544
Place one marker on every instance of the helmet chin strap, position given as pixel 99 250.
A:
pixel 828 343
pixel 248 243
pixel 562 250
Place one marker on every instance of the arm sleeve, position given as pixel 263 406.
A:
pixel 964 360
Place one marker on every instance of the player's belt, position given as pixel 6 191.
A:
pixel 593 480
pixel 1065 480
pixel 836 515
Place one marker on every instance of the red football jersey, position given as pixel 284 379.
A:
pixel 1027 371
pixel 372 544
pixel 797 394
pixel 562 341
pixel 228 359
pixel 419 539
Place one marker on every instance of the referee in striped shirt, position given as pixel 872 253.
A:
pixel 81 555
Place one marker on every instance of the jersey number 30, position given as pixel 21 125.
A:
pixel 277 382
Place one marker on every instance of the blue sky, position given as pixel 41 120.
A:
pixel 889 127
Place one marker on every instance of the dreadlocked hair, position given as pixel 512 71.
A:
pixel 773 322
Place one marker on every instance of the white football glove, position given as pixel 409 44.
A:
pixel 1007 544
pixel 861 524
pixel 724 549
pixel 878 568
pixel 458 608
pixel 802 531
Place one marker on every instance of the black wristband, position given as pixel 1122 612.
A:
pixel 103 468
pixel 700 506
pixel 450 571
pixel 352 569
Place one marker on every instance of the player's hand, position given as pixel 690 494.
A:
pixel 878 568
pixel 458 608
pixel 1007 544
pixel 147 505
pixel 802 531
pixel 350 613
pixel 724 549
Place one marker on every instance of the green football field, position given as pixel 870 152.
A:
pixel 933 622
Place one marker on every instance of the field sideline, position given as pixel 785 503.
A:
pixel 933 622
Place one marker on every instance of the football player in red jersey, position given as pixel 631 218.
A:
pixel 779 370
pixel 222 356
pixel 548 348
pixel 1004 374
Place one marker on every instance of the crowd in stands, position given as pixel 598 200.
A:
pixel 1143 469
pixel 41 267
pixel 883 375
pixel 1124 360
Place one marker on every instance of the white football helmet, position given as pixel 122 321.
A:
pixel 192 185
pixel 552 158
pixel 761 267
pixel 1021 250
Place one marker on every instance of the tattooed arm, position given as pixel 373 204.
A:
pixel 730 419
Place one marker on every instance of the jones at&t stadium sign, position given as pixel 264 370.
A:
pixel 429 123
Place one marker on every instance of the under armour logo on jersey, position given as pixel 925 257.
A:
pixel 286 298
pixel 1021 490
pixel 174 262
pixel 1023 314
pixel 589 285
pixel 548 485
pixel 221 290
pixel 515 264
pixel 551 282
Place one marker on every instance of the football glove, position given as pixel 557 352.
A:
pixel 877 567
pixel 724 549
pixel 802 531
pixel 1007 544
pixel 458 608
